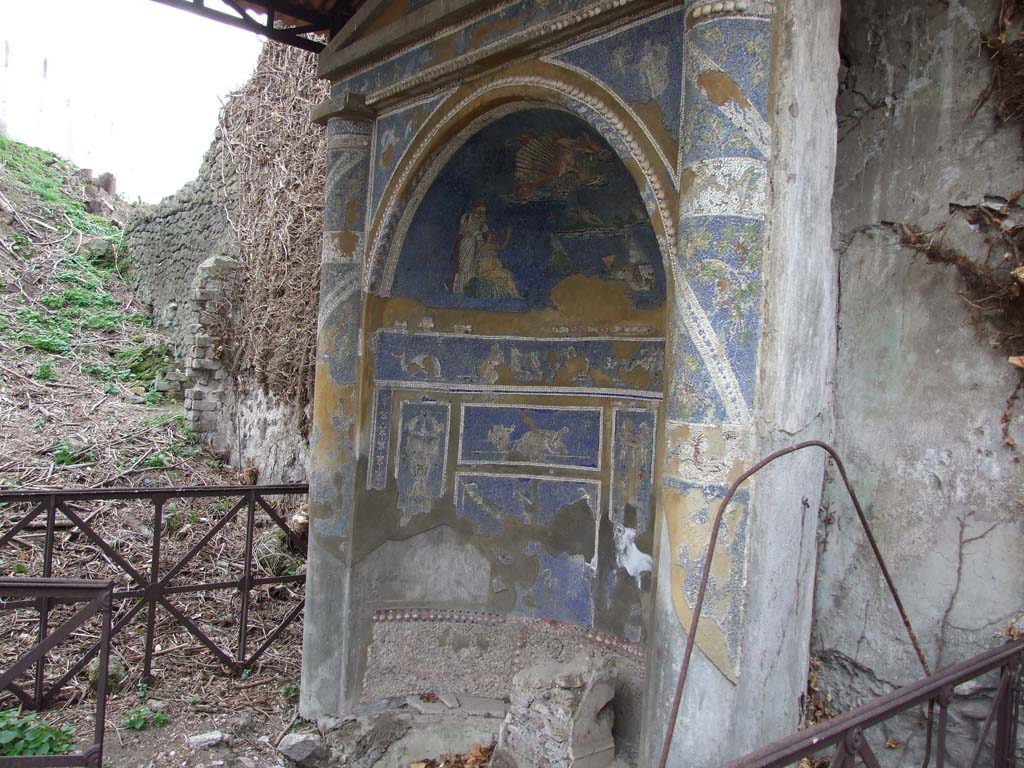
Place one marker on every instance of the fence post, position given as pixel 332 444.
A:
pixel 44 602
pixel 153 588
pixel 246 581
pixel 1002 750
pixel 101 681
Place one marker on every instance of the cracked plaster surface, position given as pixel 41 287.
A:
pixel 917 398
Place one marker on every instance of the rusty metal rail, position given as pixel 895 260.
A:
pixel 845 733
pixel 845 757
pixel 43 594
pixel 149 588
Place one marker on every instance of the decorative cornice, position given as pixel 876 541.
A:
pixel 543 35
pixel 703 10
pixel 348 106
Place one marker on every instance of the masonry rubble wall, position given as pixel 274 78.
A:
pixel 185 268
pixel 919 391
pixel 168 241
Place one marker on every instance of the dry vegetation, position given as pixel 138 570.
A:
pixel 80 407
pixel 278 157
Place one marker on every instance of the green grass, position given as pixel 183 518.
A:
pixel 66 454
pixel 48 177
pixel 45 372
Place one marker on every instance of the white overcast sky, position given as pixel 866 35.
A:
pixel 127 86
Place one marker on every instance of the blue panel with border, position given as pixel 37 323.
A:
pixel 531 436
pixel 421 466
pixel 489 500
pixel 633 433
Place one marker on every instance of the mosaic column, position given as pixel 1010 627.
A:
pixel 333 442
pixel 724 153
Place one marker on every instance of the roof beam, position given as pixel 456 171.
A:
pixel 287 35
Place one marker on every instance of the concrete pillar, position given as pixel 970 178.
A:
pixel 756 299
pixel 334 449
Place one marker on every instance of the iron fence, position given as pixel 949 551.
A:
pixel 43 594
pixel 150 588
pixel 845 733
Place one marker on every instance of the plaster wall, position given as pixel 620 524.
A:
pixel 919 391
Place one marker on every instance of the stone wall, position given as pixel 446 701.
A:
pixel 168 241
pixel 919 392
pixel 184 266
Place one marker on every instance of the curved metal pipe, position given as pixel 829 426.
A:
pixel 692 636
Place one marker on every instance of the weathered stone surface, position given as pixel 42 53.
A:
pixel 304 749
pixel 918 391
pixel 559 716
pixel 362 742
pixel 208 740
pixel 167 242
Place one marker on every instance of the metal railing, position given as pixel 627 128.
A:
pixel 149 588
pixel 44 594
pixel 847 730
pixel 845 733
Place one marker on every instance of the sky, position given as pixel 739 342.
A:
pixel 127 86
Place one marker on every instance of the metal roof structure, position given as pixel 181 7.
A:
pixel 293 22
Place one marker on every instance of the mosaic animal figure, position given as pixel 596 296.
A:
pixel 489 373
pixel 427 366
pixel 537 444
pixel 555 165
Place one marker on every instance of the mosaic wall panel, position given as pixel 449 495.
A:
pixel 639 62
pixel 507 363
pixel 523 209
pixel 394 132
pixel 487 31
pixel 421 467
pixel 489 500
pixel 633 433
pixel 527 436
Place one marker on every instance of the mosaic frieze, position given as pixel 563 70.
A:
pixel 641 63
pixel 502 363
pixel 525 205
pixel 529 436
pixel 421 466
pixel 487 33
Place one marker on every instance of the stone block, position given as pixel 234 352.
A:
pixel 304 749
pixel 107 183
pixel 560 715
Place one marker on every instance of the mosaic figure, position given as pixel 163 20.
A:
pixel 498 434
pixel 550 166
pixel 421 463
pixel 477 270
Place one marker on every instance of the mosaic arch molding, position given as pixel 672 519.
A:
pixel 544 84
pixel 475 106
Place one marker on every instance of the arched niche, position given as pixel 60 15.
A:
pixel 513 378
